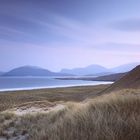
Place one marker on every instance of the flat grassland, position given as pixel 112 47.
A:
pixel 14 98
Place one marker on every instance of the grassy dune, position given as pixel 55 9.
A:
pixel 115 116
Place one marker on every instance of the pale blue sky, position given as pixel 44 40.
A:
pixel 57 34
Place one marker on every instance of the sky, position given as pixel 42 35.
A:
pixel 56 34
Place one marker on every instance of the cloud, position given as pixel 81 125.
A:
pixel 8 30
pixel 71 29
pixel 130 25
pixel 122 48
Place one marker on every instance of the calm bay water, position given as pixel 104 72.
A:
pixel 20 83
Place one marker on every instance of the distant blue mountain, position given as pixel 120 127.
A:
pixel 125 67
pixel 1 73
pixel 32 71
pixel 97 70
pixel 89 70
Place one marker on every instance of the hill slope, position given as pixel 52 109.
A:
pixel 130 80
pixel 111 77
pixel 32 71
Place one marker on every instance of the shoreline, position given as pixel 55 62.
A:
pixel 86 79
pixel 53 87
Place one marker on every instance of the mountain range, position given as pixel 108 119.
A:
pixel 1 73
pixel 97 70
pixel 32 71
pixel 125 67
pixel 91 70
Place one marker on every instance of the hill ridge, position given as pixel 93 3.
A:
pixel 130 80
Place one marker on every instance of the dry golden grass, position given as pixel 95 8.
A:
pixel 114 116
pixel 111 117
pixel 15 98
